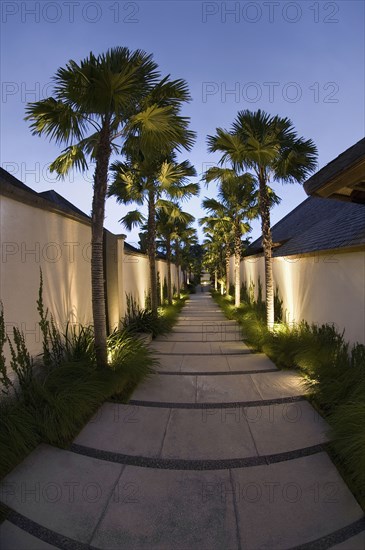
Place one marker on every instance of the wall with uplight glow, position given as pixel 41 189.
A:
pixel 326 287
pixel 36 235
pixel 136 276
pixel 33 238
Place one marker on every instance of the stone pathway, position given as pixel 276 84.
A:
pixel 219 450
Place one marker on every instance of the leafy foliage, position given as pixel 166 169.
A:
pixel 334 373
pixel 52 404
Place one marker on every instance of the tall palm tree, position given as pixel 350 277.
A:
pixel 189 256
pixel 270 147
pixel 184 238
pixel 212 256
pixel 96 104
pixel 236 205
pixel 169 218
pixel 147 179
pixel 220 227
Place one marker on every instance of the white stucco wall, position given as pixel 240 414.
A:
pixel 136 276
pixel 34 238
pixel 326 287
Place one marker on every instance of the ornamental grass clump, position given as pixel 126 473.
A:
pixel 50 401
pixel 333 371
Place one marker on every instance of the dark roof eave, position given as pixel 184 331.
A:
pixel 352 156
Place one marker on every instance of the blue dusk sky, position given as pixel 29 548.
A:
pixel 301 59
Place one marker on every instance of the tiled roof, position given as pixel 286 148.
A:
pixel 60 201
pixel 9 178
pixel 129 248
pixel 316 224
pixel 338 165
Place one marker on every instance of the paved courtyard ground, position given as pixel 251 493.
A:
pixel 219 450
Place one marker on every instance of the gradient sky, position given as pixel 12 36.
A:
pixel 303 59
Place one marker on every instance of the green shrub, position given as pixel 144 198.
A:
pixel 348 432
pixel 53 405
pixel 139 320
pixel 334 373
pixel 164 290
pixel 78 343
pixel 18 434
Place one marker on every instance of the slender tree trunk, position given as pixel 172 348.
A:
pixel 215 280
pixel 237 267
pixel 169 283
pixel 177 261
pixel 267 246
pixel 97 230
pixel 228 270
pixel 152 249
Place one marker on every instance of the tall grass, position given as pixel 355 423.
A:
pixel 139 320
pixel 334 373
pixel 53 402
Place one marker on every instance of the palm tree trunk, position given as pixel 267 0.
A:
pixel 168 259
pixel 267 246
pixel 228 270
pixel 152 249
pixel 97 230
pixel 177 256
pixel 237 267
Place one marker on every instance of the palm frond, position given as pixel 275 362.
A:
pixel 71 157
pixel 132 219
pixel 56 120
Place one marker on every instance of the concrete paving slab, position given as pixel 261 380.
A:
pixel 354 543
pixel 203 319
pixel 275 385
pixel 226 389
pixel 187 330
pixel 14 538
pixel 162 347
pixel 189 323
pixel 169 363
pixel 290 503
pixel 206 334
pixel 126 429
pixel 167 389
pixel 186 348
pixel 61 490
pixel 200 311
pixel 230 347
pixel 280 428
pixel 207 434
pixel 252 361
pixel 204 363
pixel 169 509
pixel 203 311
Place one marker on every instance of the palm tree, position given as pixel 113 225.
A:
pixel 169 218
pixel 220 228
pixel 95 102
pixel 146 179
pixel 185 236
pixel 212 256
pixel 236 205
pixel 270 147
pixel 189 254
